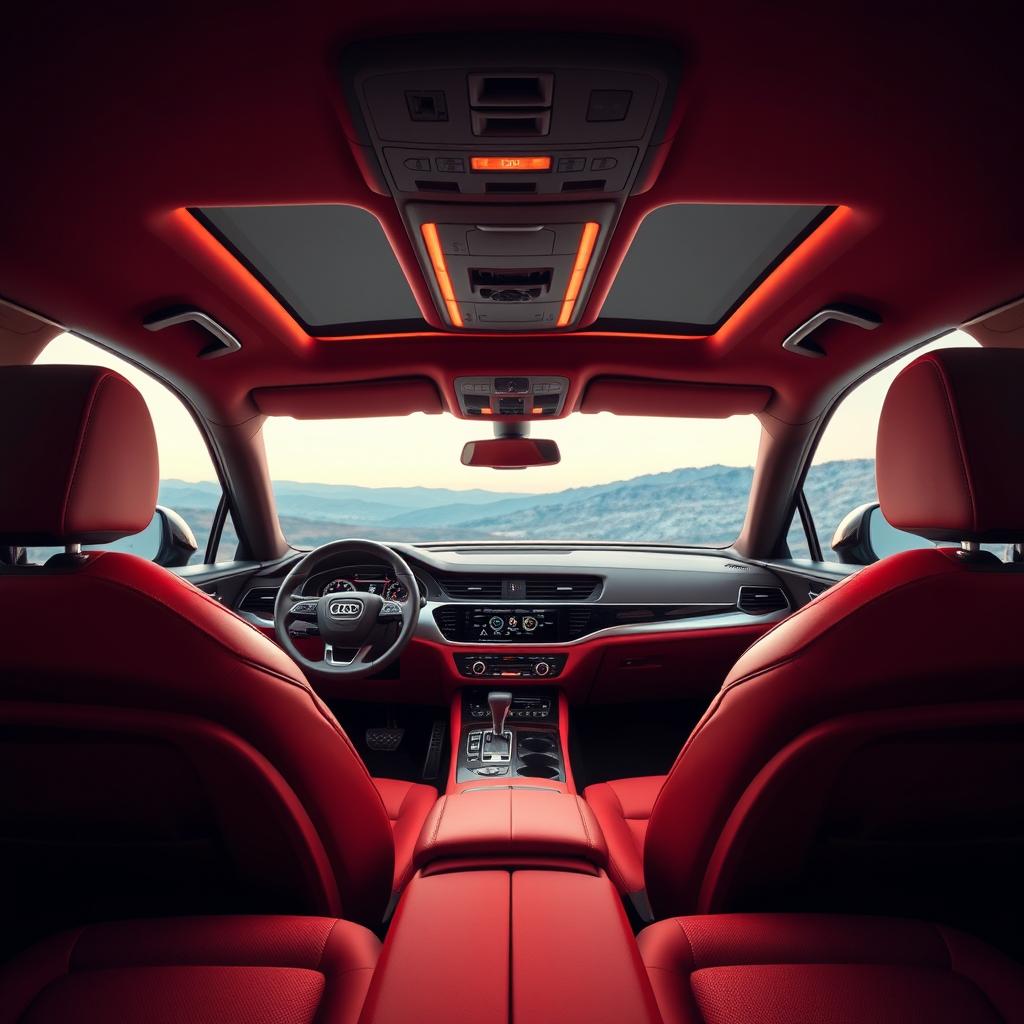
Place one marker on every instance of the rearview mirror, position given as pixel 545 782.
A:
pixel 511 453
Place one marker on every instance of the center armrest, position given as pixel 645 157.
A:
pixel 509 822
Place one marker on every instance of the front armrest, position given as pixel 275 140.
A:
pixel 505 822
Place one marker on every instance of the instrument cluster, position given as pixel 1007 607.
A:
pixel 366 580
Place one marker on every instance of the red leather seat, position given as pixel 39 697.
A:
pixel 170 757
pixel 256 970
pixel 623 809
pixel 866 752
pixel 788 969
pixel 408 805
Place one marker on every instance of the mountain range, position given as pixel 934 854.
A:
pixel 703 506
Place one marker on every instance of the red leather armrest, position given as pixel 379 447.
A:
pixel 504 823
pixel 548 947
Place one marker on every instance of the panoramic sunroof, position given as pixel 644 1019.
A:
pixel 331 266
pixel 691 264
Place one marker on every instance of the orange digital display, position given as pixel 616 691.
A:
pixel 510 163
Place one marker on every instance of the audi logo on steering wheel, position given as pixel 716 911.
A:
pixel 344 609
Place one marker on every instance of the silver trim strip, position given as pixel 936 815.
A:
pixel 427 628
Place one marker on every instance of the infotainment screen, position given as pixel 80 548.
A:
pixel 524 625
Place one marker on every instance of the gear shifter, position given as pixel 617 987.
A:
pixel 499 703
pixel 497 742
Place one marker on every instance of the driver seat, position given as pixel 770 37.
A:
pixel 159 754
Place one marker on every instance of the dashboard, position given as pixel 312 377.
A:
pixel 527 602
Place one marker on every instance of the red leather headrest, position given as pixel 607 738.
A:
pixel 950 443
pixel 79 461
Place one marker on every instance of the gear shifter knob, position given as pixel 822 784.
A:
pixel 499 702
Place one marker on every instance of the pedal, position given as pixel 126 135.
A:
pixel 384 740
pixel 432 765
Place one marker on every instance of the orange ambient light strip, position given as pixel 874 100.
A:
pixel 510 163
pixel 579 269
pixel 444 282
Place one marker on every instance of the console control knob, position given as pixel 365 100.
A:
pixel 478 668
pixel 542 668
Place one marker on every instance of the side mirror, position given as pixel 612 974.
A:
pixel 865 536
pixel 513 452
pixel 177 541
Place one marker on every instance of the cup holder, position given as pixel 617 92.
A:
pixel 539 765
pixel 538 759
pixel 536 745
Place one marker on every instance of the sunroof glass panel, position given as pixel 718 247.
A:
pixel 692 264
pixel 331 266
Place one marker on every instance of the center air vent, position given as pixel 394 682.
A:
pixel 579 622
pixel 761 600
pixel 259 601
pixel 447 620
pixel 564 588
pixel 468 587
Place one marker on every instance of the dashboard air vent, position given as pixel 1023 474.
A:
pixel 579 622
pixel 561 588
pixel 761 600
pixel 259 601
pixel 471 586
pixel 447 620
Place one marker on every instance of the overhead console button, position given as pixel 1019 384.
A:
pixel 609 104
pixel 449 164
pixel 567 164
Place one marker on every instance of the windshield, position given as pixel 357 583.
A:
pixel 621 478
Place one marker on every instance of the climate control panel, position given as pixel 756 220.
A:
pixel 487 665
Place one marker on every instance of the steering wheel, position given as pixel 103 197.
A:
pixel 352 625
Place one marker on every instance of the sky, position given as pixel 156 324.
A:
pixel 422 450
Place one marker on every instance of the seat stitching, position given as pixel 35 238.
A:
pixel 302 685
pixel 789 659
pixel 613 865
pixel 80 444
pixel 583 822
pixel 689 946
pixel 401 806
pixel 957 433
pixel 323 947
pixel 437 822
pixel 74 946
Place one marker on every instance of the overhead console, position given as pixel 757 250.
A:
pixel 511 395
pixel 510 159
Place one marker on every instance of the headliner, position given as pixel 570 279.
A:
pixel 113 130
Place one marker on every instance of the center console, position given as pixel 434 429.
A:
pixel 510 915
pixel 506 735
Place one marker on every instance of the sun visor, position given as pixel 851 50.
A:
pixel 638 396
pixel 395 397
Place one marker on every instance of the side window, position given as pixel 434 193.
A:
pixel 841 479
pixel 188 482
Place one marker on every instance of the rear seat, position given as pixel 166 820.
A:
pixel 809 969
